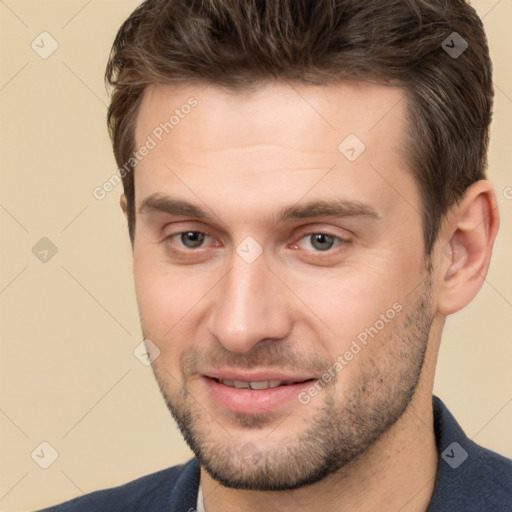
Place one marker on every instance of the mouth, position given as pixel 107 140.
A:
pixel 258 384
pixel 255 394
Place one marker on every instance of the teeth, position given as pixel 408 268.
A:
pixel 264 384
pixel 259 385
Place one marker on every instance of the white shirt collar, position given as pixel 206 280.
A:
pixel 200 503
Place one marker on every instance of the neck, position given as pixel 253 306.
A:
pixel 396 473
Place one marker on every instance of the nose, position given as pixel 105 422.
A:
pixel 249 306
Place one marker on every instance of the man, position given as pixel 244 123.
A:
pixel 304 184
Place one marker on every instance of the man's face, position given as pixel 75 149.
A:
pixel 282 276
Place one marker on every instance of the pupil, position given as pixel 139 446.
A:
pixel 192 238
pixel 322 241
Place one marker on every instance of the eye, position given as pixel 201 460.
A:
pixel 319 242
pixel 190 239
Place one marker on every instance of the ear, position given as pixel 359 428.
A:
pixel 467 239
pixel 124 205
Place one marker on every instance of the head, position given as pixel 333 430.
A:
pixel 308 207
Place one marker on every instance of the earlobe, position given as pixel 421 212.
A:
pixel 468 236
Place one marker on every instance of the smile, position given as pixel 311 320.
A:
pixel 254 396
pixel 262 384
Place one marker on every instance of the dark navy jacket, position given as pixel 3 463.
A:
pixel 469 479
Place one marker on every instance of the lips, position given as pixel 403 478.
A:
pixel 256 392
pixel 229 376
pixel 257 384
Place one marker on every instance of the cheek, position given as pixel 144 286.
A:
pixel 156 293
pixel 169 298
pixel 365 316
pixel 349 300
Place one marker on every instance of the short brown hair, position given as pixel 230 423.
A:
pixel 239 44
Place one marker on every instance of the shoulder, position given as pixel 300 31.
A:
pixel 490 474
pixel 482 482
pixel 150 492
pixel 469 477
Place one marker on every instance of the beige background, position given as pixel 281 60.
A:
pixel 69 326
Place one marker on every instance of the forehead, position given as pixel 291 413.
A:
pixel 274 141
pixel 312 117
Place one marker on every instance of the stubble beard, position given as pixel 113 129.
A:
pixel 337 432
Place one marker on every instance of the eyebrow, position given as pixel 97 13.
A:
pixel 319 208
